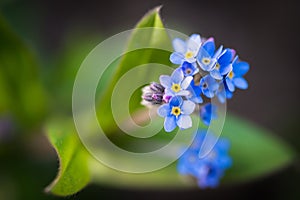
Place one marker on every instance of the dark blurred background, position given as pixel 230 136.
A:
pixel 264 33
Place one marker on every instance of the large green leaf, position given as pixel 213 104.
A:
pixel 73 173
pixel 21 91
pixel 156 37
pixel 255 153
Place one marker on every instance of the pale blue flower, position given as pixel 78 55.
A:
pixel 207 56
pixel 176 113
pixel 209 86
pixel 185 50
pixel 176 84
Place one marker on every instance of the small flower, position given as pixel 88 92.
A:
pixel 208 112
pixel 195 93
pixel 223 65
pixel 185 50
pixel 189 69
pixel 235 77
pixel 153 94
pixel 176 113
pixel 209 86
pixel 207 57
pixel 176 84
pixel 208 170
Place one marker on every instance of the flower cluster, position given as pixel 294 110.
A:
pixel 203 71
pixel 209 169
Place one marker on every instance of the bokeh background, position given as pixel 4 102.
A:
pixel 265 33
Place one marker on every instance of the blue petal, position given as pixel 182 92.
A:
pixel 209 46
pixel 183 93
pixel 240 68
pixel 226 57
pixel 186 82
pixel 204 54
pixel 179 45
pixel 240 82
pixel 216 74
pixel 193 43
pixel 165 80
pixel 170 123
pixel 177 76
pixel 184 121
pixel 225 69
pixel 196 99
pixel 218 52
pixel 176 58
pixel 212 83
pixel 176 101
pixel 187 107
pixel 169 92
pixel 164 110
pixel 230 85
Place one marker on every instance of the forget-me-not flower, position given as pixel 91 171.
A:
pixel 223 64
pixel 176 84
pixel 235 77
pixel 207 56
pixel 185 50
pixel 176 113
pixel 189 69
pixel 209 86
pixel 208 170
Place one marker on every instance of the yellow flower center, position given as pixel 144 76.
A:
pixel 217 66
pixel 176 87
pixel 176 111
pixel 231 75
pixel 189 54
pixel 205 61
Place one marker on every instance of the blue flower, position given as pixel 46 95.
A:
pixel 235 77
pixel 207 57
pixel 223 65
pixel 176 84
pixel 208 112
pixel 208 170
pixel 189 69
pixel 209 86
pixel 195 93
pixel 176 113
pixel 185 50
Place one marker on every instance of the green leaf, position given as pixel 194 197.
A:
pixel 73 173
pixel 255 153
pixel 21 91
pixel 157 37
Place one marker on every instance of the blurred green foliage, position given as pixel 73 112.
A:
pixel 23 96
